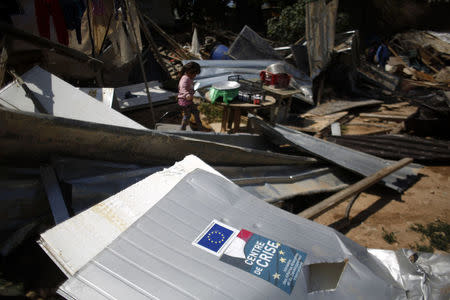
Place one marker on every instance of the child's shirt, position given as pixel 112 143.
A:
pixel 185 88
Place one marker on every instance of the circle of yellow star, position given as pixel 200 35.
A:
pixel 278 244
pixel 276 276
pixel 283 260
pixel 281 252
pixel 218 235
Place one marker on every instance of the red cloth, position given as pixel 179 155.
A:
pixel 46 8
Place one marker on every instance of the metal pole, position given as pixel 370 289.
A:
pixel 152 113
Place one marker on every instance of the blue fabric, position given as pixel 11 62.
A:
pixel 383 55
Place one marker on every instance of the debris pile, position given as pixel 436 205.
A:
pixel 95 157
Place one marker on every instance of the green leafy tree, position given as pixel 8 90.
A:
pixel 289 26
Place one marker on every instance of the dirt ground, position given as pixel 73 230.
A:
pixel 379 207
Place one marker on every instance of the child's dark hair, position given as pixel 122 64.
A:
pixel 190 67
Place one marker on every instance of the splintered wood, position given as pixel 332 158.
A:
pixel 387 119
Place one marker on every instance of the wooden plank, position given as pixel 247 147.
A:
pixel 3 60
pixel 54 194
pixel 356 188
pixel 383 117
pixel 320 122
pixel 184 54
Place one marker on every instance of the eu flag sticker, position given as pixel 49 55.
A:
pixel 215 238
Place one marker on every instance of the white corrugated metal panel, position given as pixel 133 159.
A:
pixel 155 259
pixel 98 226
pixel 61 99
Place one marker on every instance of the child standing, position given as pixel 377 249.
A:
pixel 186 94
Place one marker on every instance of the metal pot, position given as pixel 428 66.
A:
pixel 226 85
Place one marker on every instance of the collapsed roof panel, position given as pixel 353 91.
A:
pixel 155 257
pixel 60 99
pixel 352 160
pixel 268 183
pixel 51 135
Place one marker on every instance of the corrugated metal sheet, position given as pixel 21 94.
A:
pixel 352 160
pixel 277 183
pixel 213 71
pixel 61 99
pixel 51 135
pixel 270 183
pixel 154 257
pixel 397 146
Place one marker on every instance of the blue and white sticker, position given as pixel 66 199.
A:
pixel 215 238
pixel 265 258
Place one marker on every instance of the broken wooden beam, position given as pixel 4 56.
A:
pixel 384 117
pixel 152 43
pixel 358 187
pixel 3 60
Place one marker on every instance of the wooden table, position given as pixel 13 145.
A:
pixel 232 112
pixel 280 95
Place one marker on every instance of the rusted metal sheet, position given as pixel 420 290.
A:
pixel 397 146
pixel 320 32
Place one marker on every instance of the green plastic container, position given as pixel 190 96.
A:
pixel 227 95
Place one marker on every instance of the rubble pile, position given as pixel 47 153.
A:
pixel 128 205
